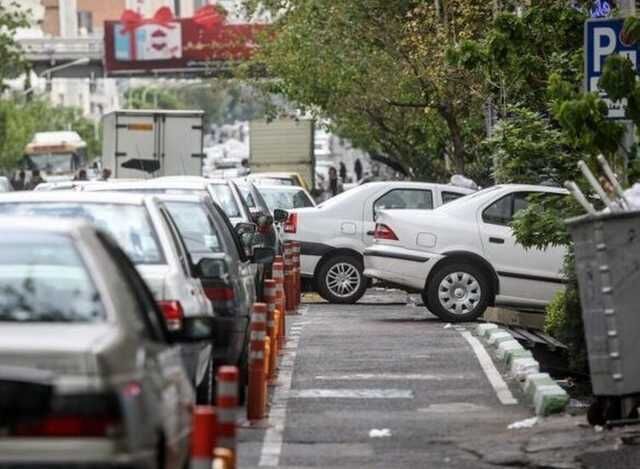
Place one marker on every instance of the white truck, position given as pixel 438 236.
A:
pixel 153 143
pixel 283 145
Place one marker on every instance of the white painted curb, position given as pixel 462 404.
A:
pixel 545 394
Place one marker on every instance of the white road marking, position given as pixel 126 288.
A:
pixel 389 377
pixel 272 443
pixel 499 386
pixel 351 394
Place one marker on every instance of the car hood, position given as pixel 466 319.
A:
pixel 62 348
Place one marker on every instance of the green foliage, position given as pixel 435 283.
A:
pixel 12 62
pixel 618 77
pixel 19 121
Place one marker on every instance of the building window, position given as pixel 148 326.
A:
pixel 85 22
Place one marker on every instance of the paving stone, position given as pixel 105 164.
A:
pixel 511 355
pixel 497 336
pixel 506 346
pixel 523 367
pixel 536 379
pixel 550 399
pixel 484 329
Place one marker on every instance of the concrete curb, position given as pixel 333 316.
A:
pixel 543 392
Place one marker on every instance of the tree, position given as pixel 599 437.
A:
pixel 379 71
pixel 12 63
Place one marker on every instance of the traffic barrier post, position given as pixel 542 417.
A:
pixel 297 272
pixel 203 440
pixel 223 459
pixel 272 331
pixel 278 276
pixel 257 395
pixel 288 277
pixel 227 402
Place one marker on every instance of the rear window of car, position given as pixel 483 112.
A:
pixel 223 196
pixel 130 225
pixel 450 196
pixel 285 198
pixel 43 279
pixel 196 228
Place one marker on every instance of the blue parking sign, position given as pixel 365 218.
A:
pixel 602 38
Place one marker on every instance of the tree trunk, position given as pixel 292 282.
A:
pixel 458 154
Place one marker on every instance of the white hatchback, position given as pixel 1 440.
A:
pixel 334 234
pixel 464 256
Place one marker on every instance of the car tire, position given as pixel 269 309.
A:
pixel 457 292
pixel 205 392
pixel 345 269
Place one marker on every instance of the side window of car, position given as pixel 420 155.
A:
pixel 147 308
pixel 232 232
pixel 404 199
pixel 177 242
pixel 450 196
pixel 502 211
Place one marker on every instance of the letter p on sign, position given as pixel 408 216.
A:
pixel 604 45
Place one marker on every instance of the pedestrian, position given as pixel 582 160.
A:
pixel 334 186
pixel 343 172
pixel 81 175
pixel 35 180
pixel 106 174
pixel 19 183
pixel 357 168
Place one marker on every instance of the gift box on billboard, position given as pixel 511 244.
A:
pixel 157 38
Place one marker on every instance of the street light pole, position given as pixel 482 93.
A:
pixel 47 73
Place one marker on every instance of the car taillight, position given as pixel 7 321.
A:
pixel 219 293
pixel 75 416
pixel 384 232
pixel 173 314
pixel 291 225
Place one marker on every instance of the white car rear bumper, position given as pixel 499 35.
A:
pixel 399 265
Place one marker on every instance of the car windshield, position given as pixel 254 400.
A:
pixel 223 196
pixel 128 224
pixel 43 279
pixel 247 195
pixel 54 163
pixel 196 228
pixel 285 199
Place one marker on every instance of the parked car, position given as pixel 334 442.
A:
pixel 227 275
pixel 138 223
pixel 5 184
pixel 334 234
pixel 464 256
pixel 285 179
pixel 73 307
pixel 285 197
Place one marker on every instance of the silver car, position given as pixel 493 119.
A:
pixel 154 245
pixel 73 305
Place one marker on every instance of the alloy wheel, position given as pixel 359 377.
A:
pixel 459 292
pixel 343 279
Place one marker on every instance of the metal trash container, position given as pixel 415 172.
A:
pixel 607 257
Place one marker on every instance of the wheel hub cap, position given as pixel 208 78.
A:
pixel 459 293
pixel 343 279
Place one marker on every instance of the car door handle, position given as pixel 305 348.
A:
pixel 371 233
pixel 496 240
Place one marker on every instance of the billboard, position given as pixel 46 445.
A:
pixel 164 43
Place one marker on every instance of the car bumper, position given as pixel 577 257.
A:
pixel 400 266
pixel 70 452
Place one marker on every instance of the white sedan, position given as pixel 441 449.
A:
pixel 464 256
pixel 334 234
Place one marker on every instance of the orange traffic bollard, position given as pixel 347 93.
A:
pixel 267 357
pixel 223 459
pixel 272 331
pixel 203 440
pixel 278 276
pixel 288 277
pixel 257 396
pixel 297 273
pixel 227 402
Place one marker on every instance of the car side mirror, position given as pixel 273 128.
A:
pixel 208 268
pixel 280 216
pixel 194 329
pixel 262 255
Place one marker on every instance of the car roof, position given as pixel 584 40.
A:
pixel 44 224
pixel 417 185
pixel 72 196
pixel 272 174
pixel 281 187
pixel 189 179
pixel 535 187
pixel 151 184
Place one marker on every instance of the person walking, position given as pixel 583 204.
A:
pixel 19 183
pixel 334 186
pixel 343 172
pixel 35 180
pixel 357 168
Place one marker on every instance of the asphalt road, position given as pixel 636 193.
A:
pixel 377 385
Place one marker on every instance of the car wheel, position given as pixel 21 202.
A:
pixel 340 280
pixel 457 292
pixel 205 390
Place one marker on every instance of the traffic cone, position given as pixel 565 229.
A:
pixel 203 439
pixel 257 395
pixel 227 402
